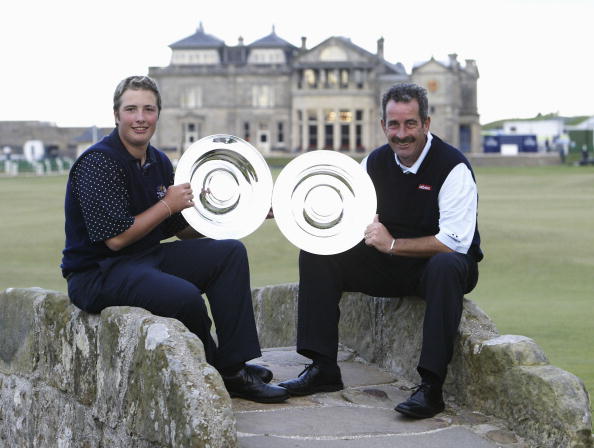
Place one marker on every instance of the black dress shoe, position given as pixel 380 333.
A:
pixel 264 373
pixel 248 385
pixel 425 402
pixel 314 379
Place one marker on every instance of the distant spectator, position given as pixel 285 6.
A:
pixel 7 152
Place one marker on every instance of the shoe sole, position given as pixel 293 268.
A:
pixel 261 400
pixel 413 414
pixel 315 390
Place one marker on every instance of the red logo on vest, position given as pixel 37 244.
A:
pixel 424 187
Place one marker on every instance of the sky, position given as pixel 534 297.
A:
pixel 61 59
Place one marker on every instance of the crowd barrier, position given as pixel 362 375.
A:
pixel 57 165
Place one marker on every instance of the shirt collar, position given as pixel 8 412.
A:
pixel 150 156
pixel 413 169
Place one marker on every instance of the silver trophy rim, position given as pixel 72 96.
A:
pixel 242 163
pixel 343 179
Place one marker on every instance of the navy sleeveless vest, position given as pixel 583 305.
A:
pixel 144 185
pixel 408 203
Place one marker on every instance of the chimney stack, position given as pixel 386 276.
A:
pixel 380 48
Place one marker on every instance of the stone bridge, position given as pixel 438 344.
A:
pixel 127 378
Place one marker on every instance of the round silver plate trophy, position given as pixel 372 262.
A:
pixel 323 201
pixel 232 186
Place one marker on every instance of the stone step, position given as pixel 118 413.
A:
pixel 361 415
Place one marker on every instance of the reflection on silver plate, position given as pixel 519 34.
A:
pixel 323 201
pixel 232 186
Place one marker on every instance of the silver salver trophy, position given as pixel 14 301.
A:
pixel 322 200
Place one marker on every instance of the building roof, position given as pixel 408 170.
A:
pixel 418 64
pixel 398 67
pixel 373 59
pixel 451 64
pixel 579 122
pixel 199 40
pixel 92 134
pixel 271 41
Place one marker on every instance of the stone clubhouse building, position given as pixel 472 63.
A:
pixel 282 98
pixel 288 99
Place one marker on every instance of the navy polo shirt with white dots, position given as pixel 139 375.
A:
pixel 100 187
pixel 106 188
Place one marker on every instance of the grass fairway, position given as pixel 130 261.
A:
pixel 537 278
pixel 32 231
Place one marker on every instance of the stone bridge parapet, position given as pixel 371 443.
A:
pixel 127 378
pixel 506 376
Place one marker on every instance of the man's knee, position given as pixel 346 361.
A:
pixel 181 297
pixel 450 270
pixel 190 308
pixel 234 248
pixel 445 263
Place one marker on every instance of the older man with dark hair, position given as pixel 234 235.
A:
pixel 424 241
pixel 120 204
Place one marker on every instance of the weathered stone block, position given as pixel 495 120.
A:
pixel 380 330
pixel 509 376
pixel 17 311
pixel 168 390
pixel 549 404
pixel 503 352
pixel 275 311
pixel 66 347
pixel 125 378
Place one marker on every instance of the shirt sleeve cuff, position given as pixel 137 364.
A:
pixel 109 231
pixel 452 242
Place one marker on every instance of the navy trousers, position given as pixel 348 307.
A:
pixel 169 279
pixel 441 281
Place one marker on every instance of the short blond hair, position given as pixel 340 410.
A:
pixel 135 83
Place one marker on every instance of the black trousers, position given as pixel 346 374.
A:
pixel 441 281
pixel 169 279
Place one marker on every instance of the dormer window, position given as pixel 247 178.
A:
pixel 195 57
pixel 266 56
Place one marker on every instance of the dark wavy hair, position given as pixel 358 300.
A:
pixel 404 93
